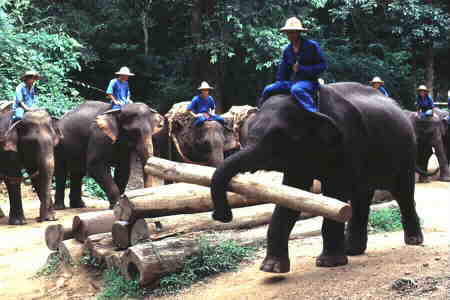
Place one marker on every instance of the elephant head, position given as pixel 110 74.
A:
pixel 134 125
pixel 203 144
pixel 278 134
pixel 33 139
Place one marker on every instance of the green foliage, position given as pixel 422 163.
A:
pixel 91 187
pixel 117 287
pixel 50 51
pixel 51 266
pixel 210 260
pixel 386 220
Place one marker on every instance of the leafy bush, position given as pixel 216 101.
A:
pixel 223 257
pixel 117 287
pixel 386 220
pixel 91 187
pixel 51 266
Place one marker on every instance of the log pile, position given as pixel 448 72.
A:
pixel 151 231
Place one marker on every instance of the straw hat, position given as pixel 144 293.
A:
pixel 30 73
pixel 205 86
pixel 293 24
pixel 376 79
pixel 422 88
pixel 125 71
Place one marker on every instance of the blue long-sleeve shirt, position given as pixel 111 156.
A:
pixel 310 59
pixel 202 105
pixel 25 95
pixel 425 103
pixel 383 90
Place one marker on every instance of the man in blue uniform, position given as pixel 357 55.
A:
pixel 203 106
pixel 300 67
pixel 378 84
pixel 26 97
pixel 118 90
pixel 425 103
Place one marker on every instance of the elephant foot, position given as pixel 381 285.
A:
pixel 444 178
pixel 416 239
pixel 78 204
pixel 224 216
pixel 17 221
pixel 329 261
pixel 272 264
pixel 59 206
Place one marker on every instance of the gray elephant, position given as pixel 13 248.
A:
pixel 432 133
pixel 181 140
pixel 96 139
pixel 358 142
pixel 28 144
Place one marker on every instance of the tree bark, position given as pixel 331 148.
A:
pixel 173 199
pixel 71 251
pixel 91 223
pixel 114 260
pixel 55 234
pixel 100 246
pixel 121 234
pixel 251 187
pixel 429 67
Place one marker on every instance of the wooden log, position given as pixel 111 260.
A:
pixel 121 234
pixel 172 199
pixel 100 246
pixel 71 251
pixel 250 187
pixel 91 223
pixel 55 234
pixel 114 260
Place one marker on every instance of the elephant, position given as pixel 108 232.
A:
pixel 28 144
pixel 97 138
pixel 359 141
pixel 205 144
pixel 432 133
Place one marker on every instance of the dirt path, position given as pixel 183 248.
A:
pixel 23 252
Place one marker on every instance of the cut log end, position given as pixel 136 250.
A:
pixel 139 232
pixel 55 234
pixel 71 251
pixel 121 234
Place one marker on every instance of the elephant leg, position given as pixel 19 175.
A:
pixel 283 220
pixel 333 253
pixel 443 161
pixel 122 175
pixel 75 190
pixel 424 154
pixel 356 231
pixel 102 175
pixel 403 192
pixel 16 215
pixel 60 180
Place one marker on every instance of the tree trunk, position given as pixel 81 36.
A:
pixel 173 199
pixel 91 223
pixel 55 234
pixel 70 251
pixel 429 67
pixel 251 187
pixel 145 30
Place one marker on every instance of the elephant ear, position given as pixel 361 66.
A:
pixel 158 123
pixel 327 131
pixel 11 139
pixel 107 122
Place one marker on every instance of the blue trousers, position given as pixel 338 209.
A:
pixel 202 119
pixel 302 91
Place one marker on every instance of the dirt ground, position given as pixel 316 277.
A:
pixel 388 270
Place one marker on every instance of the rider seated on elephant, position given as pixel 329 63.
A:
pixel 300 67
pixel 378 84
pixel 26 96
pixel 425 104
pixel 203 106
pixel 118 90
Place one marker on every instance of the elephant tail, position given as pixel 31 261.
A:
pixel 425 173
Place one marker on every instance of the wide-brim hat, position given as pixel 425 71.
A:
pixel 376 79
pixel 293 24
pixel 422 88
pixel 205 86
pixel 124 71
pixel 30 73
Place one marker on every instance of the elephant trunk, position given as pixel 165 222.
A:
pixel 242 161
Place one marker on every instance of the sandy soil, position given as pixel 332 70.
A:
pixel 370 276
